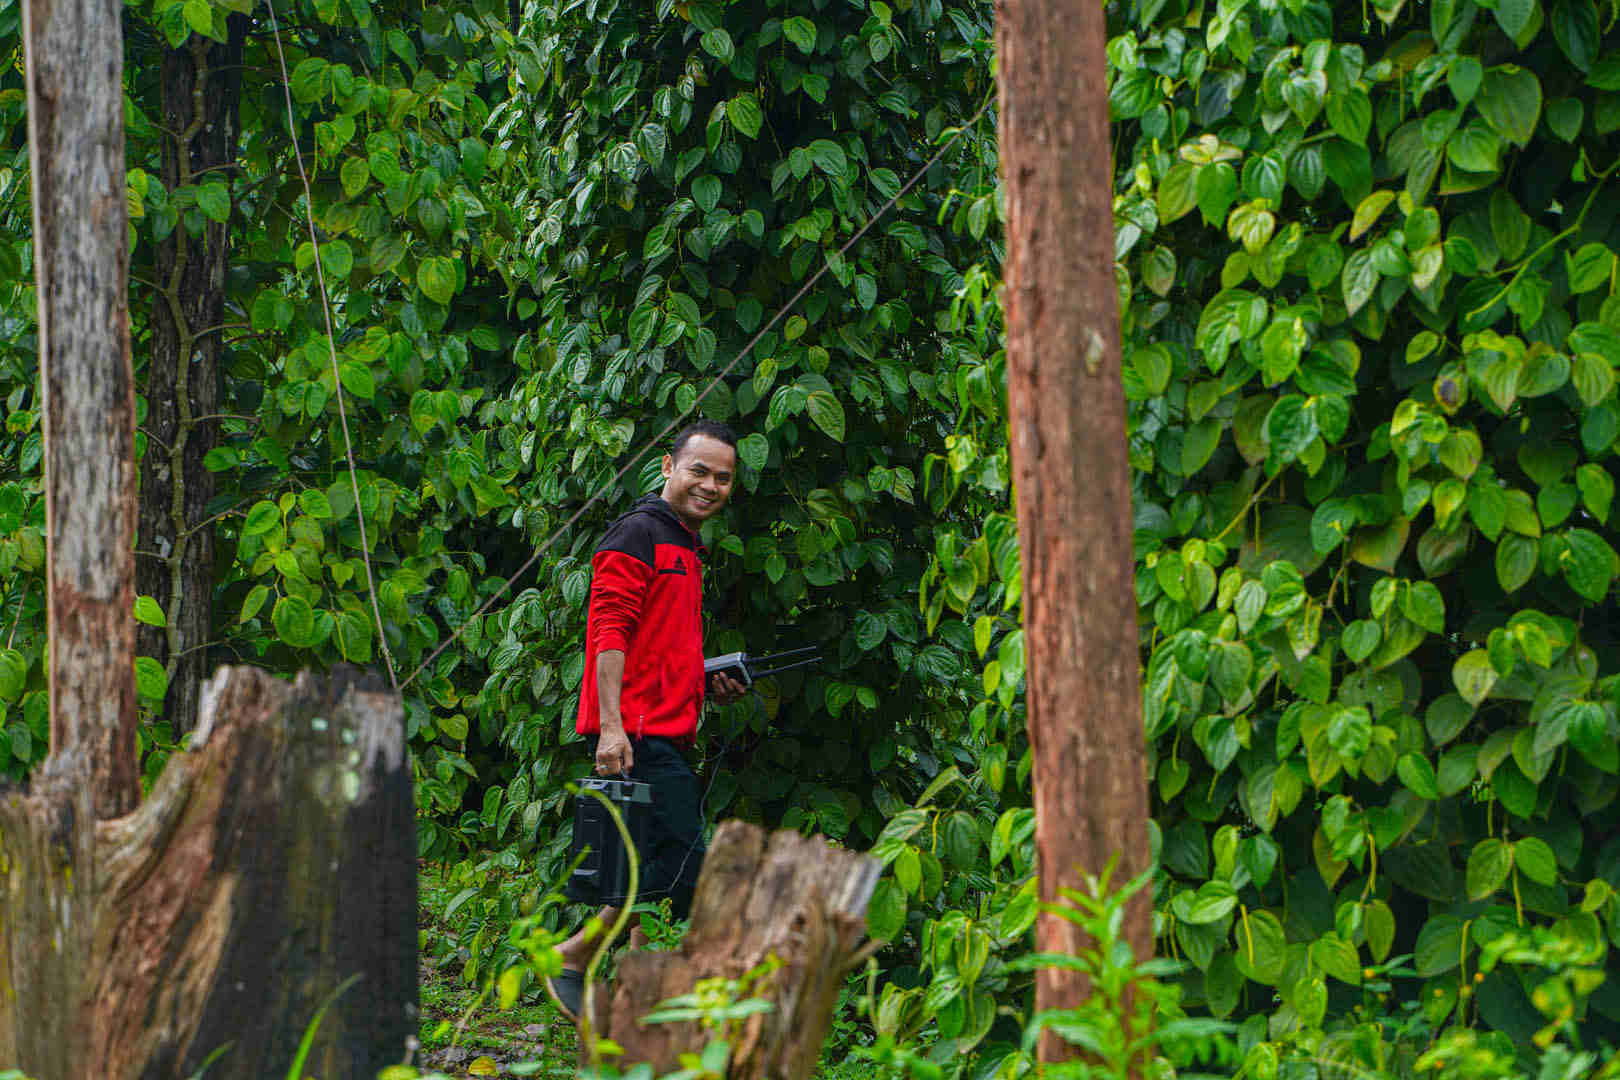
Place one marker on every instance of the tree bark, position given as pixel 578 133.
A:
pixel 267 866
pixel 81 255
pixel 1066 408
pixel 201 95
pixel 272 863
pixel 789 896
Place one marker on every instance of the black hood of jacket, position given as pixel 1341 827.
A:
pixel 654 506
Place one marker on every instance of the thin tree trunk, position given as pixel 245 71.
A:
pixel 74 83
pixel 1066 410
pixel 201 92
pixel 81 256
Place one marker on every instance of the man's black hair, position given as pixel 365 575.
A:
pixel 714 429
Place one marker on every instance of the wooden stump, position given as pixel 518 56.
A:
pixel 789 896
pixel 268 865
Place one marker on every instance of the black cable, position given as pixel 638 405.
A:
pixel 703 800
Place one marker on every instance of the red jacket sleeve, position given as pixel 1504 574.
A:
pixel 618 591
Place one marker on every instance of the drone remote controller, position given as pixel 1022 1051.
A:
pixel 750 669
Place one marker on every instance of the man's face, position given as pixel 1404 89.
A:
pixel 698 483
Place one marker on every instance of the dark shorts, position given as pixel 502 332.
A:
pixel 675 847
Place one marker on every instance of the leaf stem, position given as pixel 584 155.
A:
pixel 1518 901
pixel 1528 262
pixel 1253 499
pixel 22 599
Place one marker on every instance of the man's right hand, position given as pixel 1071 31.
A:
pixel 613 753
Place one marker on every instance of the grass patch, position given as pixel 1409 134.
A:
pixel 464 1031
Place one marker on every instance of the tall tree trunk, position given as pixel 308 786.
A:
pixel 1066 410
pixel 201 93
pixel 81 255
pixel 74 84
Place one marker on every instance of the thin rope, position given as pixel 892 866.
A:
pixel 331 346
pixel 671 426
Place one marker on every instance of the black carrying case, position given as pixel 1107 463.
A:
pixel 603 874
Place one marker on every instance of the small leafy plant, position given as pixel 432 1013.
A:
pixel 1132 1024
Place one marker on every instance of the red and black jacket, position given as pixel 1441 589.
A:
pixel 646 593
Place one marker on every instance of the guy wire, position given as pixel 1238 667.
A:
pixel 348 446
pixel 656 440
pixel 331 345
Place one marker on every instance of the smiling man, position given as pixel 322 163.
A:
pixel 643 686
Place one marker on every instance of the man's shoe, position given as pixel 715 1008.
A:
pixel 569 989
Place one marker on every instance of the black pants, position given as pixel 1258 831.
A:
pixel 675 848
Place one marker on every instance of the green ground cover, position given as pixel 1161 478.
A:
pixel 462 1027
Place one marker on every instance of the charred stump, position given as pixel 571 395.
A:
pixel 784 898
pixel 269 865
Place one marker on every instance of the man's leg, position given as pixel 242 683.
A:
pixel 675 840
pixel 578 950
pixel 674 849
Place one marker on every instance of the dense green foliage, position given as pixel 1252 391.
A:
pixel 1367 271
pixel 420 388
pixel 1370 270
pixel 535 260
pixel 686 172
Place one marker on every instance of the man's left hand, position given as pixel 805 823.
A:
pixel 724 689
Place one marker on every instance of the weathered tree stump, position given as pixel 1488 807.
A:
pixel 269 864
pixel 789 896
